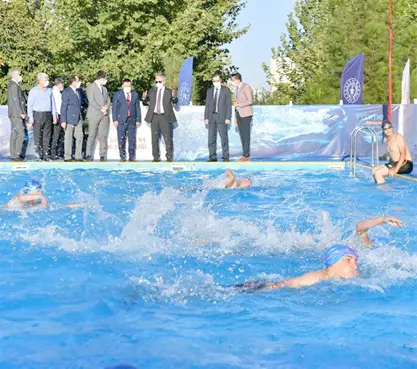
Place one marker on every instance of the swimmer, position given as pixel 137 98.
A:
pixel 400 162
pixel 362 228
pixel 31 196
pixel 340 263
pixel 232 182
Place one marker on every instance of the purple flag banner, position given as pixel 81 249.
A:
pixel 185 82
pixel 351 89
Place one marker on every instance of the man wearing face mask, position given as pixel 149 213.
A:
pixel 16 103
pixel 217 116
pixel 57 146
pixel 72 119
pixel 98 117
pixel 161 116
pixel 126 118
pixel 42 113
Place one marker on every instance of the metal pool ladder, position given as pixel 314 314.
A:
pixel 353 147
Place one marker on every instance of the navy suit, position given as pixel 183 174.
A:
pixel 72 115
pixel 127 116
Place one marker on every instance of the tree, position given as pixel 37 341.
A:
pixel 126 38
pixel 322 35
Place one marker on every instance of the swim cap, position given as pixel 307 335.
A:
pixel 336 253
pixel 385 123
pixel 32 185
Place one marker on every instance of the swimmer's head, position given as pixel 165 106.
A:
pixel 32 186
pixel 245 183
pixel 343 260
pixel 387 127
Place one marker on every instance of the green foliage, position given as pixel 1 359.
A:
pixel 126 38
pixel 322 35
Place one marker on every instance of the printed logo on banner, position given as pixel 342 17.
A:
pixel 352 90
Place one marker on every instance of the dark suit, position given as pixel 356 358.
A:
pixel 16 102
pixel 217 114
pixel 72 115
pixel 161 122
pixel 126 115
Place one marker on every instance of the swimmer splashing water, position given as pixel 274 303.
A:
pixel 340 263
pixel 31 197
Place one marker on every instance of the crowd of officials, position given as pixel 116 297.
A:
pixel 68 123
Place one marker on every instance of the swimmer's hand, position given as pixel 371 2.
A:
pixel 250 286
pixel 393 221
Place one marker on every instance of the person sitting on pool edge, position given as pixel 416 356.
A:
pixel 400 156
pixel 340 261
pixel 231 181
pixel 31 196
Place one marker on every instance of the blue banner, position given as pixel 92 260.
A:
pixel 185 82
pixel 351 89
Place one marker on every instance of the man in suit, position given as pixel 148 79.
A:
pixel 98 117
pixel 161 116
pixel 72 119
pixel 126 118
pixel 16 102
pixel 217 116
pixel 244 113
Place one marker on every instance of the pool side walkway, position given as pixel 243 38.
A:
pixel 146 166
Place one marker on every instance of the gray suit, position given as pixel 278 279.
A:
pixel 98 123
pixel 16 102
pixel 217 114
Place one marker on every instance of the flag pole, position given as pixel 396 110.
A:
pixel 391 41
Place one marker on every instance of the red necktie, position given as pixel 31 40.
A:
pixel 128 105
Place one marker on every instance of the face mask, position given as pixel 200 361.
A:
pixel 78 85
pixel 104 82
pixel 217 84
pixel 61 89
pixel 19 79
pixel 46 84
pixel 127 89
pixel 159 85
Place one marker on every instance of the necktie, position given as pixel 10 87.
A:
pixel 128 105
pixel 158 102
pixel 216 96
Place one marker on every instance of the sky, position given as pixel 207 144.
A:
pixel 267 19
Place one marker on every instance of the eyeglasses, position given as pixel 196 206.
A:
pixel 386 129
pixel 158 81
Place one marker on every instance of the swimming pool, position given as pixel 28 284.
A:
pixel 141 275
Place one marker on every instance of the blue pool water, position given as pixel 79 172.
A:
pixel 140 276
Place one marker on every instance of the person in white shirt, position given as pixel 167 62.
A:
pixel 57 146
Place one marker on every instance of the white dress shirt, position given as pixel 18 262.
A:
pixel 161 91
pixel 56 93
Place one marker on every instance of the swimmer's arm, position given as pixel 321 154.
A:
pixel 363 227
pixel 32 198
pixel 403 153
pixel 230 180
pixel 305 280
pixel 75 206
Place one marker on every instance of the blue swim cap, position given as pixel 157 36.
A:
pixel 32 185
pixel 336 253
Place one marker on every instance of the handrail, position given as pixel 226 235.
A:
pixel 353 148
